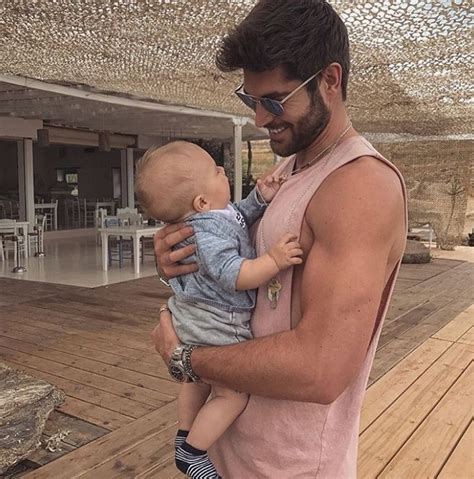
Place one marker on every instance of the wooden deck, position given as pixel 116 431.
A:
pixel 121 410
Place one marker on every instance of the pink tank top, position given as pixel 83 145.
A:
pixel 282 439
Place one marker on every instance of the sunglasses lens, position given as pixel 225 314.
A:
pixel 272 106
pixel 248 100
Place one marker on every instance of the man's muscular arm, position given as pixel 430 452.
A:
pixel 357 220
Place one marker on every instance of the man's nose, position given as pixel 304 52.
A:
pixel 262 116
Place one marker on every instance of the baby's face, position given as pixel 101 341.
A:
pixel 216 183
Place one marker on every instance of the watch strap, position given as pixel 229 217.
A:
pixel 187 365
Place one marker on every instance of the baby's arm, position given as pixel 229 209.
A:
pixel 269 185
pixel 255 272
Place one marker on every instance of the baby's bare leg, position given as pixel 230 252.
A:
pixel 216 416
pixel 192 397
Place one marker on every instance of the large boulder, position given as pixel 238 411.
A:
pixel 416 253
pixel 25 404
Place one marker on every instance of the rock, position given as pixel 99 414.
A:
pixel 25 404
pixel 416 253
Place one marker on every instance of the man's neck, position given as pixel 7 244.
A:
pixel 329 137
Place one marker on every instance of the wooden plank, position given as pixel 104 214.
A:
pixel 89 332
pixel 80 432
pixel 425 452
pixel 390 354
pixel 51 319
pixel 137 459
pixel 30 326
pixel 457 327
pixel 94 414
pixel 113 445
pixel 58 343
pixel 412 318
pixel 167 388
pixel 100 314
pixel 43 456
pixel 380 441
pixel 387 389
pixel 165 469
pixel 467 337
pixel 141 396
pixel 122 405
pixel 460 464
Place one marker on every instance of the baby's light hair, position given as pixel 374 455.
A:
pixel 166 181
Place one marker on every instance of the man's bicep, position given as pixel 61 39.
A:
pixel 340 298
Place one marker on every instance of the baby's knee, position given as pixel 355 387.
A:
pixel 235 397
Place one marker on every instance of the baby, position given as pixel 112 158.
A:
pixel 180 182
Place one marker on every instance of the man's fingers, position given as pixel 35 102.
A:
pixel 173 271
pixel 296 252
pixel 168 229
pixel 176 237
pixel 182 253
pixel 169 236
pixel 165 320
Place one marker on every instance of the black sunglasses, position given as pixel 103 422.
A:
pixel 275 107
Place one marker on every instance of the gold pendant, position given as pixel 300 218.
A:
pixel 273 292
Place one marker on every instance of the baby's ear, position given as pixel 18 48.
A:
pixel 200 204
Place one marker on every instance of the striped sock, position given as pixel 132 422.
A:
pixel 195 463
pixel 181 436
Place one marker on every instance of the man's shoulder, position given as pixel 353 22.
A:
pixel 365 190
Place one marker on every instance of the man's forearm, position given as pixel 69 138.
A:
pixel 273 366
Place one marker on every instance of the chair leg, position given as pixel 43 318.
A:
pixel 120 250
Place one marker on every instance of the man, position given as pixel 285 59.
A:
pixel 316 327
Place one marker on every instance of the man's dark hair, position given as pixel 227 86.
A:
pixel 303 36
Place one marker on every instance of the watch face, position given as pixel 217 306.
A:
pixel 176 373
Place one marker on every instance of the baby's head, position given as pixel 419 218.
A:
pixel 180 179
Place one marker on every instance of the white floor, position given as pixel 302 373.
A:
pixel 75 259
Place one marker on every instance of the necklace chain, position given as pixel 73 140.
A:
pixel 331 147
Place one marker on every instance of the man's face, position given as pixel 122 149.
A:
pixel 303 119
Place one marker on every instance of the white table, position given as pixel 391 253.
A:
pixel 134 232
pixel 49 206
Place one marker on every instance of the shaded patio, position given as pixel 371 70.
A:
pixel 120 409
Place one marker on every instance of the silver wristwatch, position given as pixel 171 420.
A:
pixel 180 367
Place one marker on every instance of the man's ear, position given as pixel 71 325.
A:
pixel 332 77
pixel 200 204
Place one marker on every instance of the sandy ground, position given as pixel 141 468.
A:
pixel 464 253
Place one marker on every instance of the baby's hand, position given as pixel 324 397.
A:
pixel 287 252
pixel 269 186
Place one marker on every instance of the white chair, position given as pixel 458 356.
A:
pixel 9 238
pixel 36 237
pixel 100 215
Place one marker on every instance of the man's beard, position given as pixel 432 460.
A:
pixel 306 130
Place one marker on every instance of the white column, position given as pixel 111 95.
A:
pixel 26 184
pixel 130 178
pixel 21 180
pixel 238 124
pixel 123 177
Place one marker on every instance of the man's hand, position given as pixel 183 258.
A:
pixel 287 252
pixel 269 186
pixel 167 259
pixel 164 336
